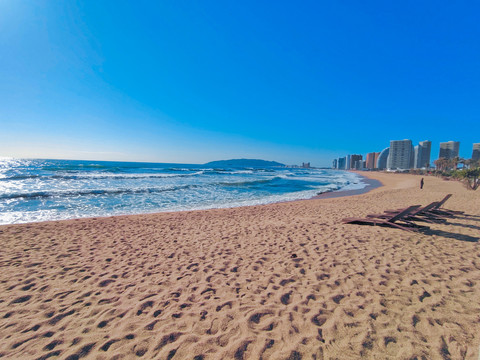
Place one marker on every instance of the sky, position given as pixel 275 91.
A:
pixel 195 81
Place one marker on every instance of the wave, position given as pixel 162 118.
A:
pixel 124 176
pixel 72 167
pixel 73 194
pixel 121 176
pixel 247 182
pixel 19 177
pixel 292 183
pixel 98 176
pixel 96 192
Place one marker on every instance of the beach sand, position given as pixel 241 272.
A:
pixel 280 281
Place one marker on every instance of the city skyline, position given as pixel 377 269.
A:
pixel 403 154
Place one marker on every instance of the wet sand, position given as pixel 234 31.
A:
pixel 279 281
pixel 371 184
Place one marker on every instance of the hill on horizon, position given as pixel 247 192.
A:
pixel 245 163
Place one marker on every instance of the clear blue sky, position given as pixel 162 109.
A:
pixel 194 81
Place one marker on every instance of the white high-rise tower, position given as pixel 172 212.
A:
pixel 401 155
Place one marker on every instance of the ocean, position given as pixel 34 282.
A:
pixel 33 190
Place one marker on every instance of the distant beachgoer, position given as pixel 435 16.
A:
pixel 421 184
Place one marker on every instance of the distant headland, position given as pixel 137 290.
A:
pixel 245 163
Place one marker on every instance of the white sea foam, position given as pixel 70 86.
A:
pixel 40 190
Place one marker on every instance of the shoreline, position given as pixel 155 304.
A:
pixel 276 281
pixel 371 185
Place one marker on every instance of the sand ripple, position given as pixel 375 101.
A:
pixel 282 281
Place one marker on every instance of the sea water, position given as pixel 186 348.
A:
pixel 34 190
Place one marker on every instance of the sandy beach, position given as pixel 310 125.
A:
pixel 279 281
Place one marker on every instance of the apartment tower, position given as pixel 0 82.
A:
pixel 382 159
pixel 476 152
pixel 449 149
pixel 370 161
pixel 354 159
pixel 422 154
pixel 401 155
pixel 375 161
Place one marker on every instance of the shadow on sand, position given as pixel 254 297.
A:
pixel 450 235
pixel 474 227
pixel 467 217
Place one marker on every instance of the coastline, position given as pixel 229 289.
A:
pixel 283 280
pixel 371 185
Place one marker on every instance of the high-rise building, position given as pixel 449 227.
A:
pixel 375 161
pixel 370 161
pixel 382 159
pixel 417 150
pixel 354 159
pixel 360 164
pixel 449 149
pixel 426 147
pixel 334 165
pixel 341 163
pixel 476 152
pixel 401 155
pixel 422 154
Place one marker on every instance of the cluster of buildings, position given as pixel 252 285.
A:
pixel 402 155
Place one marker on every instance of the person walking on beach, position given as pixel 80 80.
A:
pixel 421 184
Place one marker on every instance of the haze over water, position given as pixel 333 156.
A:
pixel 41 190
